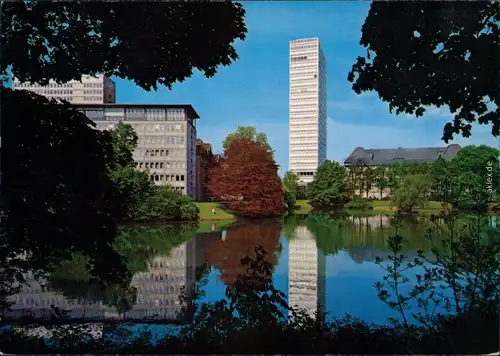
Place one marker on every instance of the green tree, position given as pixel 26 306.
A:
pixel 441 180
pixel 329 189
pixel 473 169
pixel 381 179
pixel 418 67
pixel 247 133
pixel 412 193
pixel 291 182
pixel 368 179
pixel 124 141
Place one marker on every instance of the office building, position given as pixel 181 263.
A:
pixel 306 273
pixel 91 90
pixel 308 110
pixel 167 139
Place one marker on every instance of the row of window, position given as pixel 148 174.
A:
pixel 146 114
pixel 92 98
pixel 50 85
pixel 89 92
pixel 92 85
pixel 174 140
pixel 167 178
pixel 298 58
pixel 161 165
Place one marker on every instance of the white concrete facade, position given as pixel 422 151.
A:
pixel 91 90
pixel 308 109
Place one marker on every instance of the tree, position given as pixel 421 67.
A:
pixel 441 180
pixel 134 186
pixel 247 133
pixel 291 182
pixel 368 179
pixel 179 38
pixel 445 54
pixel 475 176
pixel 380 179
pixel 56 195
pixel 329 188
pixel 247 178
pixel 124 140
pixel 412 193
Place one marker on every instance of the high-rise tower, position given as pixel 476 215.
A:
pixel 308 125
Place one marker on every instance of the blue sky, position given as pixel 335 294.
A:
pixel 254 90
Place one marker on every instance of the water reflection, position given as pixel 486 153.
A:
pixel 239 241
pixel 324 264
pixel 307 273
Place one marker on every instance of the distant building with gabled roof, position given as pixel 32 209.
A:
pixel 378 157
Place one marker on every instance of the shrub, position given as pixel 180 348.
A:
pixel 359 203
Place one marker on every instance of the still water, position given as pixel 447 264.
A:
pixel 321 264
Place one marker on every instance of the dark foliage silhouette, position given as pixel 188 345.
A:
pixel 56 197
pixel 446 53
pixel 61 40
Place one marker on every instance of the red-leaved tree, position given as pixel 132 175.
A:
pixel 247 179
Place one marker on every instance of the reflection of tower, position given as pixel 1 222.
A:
pixel 307 273
pixel 159 290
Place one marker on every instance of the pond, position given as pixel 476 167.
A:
pixel 320 263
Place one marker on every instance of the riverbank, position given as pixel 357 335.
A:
pixel 223 217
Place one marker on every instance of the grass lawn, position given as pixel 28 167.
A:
pixel 206 212
pixel 302 207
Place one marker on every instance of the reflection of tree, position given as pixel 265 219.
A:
pixel 290 225
pixel 242 239
pixel 139 245
pixel 363 239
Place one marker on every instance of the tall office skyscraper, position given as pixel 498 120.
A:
pixel 91 90
pixel 308 126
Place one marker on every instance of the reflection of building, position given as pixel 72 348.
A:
pixel 373 222
pixel 91 90
pixel 167 139
pixel 307 273
pixel 158 290
pixel 205 160
pixel 308 109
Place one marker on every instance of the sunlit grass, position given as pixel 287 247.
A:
pixel 206 212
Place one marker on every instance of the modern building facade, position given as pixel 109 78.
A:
pixel 306 273
pixel 205 160
pixel 167 139
pixel 91 90
pixel 308 109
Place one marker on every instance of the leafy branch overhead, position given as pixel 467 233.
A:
pixel 150 43
pixel 439 53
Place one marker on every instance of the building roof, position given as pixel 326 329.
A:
pixel 189 108
pixel 377 157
